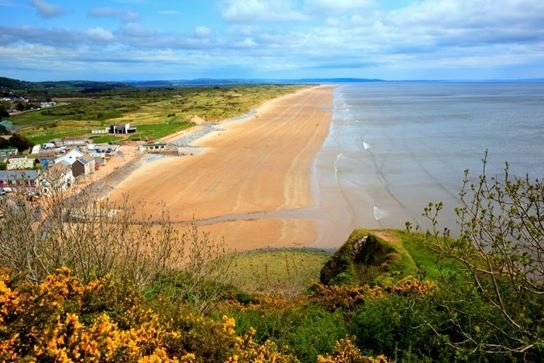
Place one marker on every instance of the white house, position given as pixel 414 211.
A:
pixel 74 141
pixel 19 163
pixel 69 158
pixel 155 147
pixel 104 130
pixel 35 149
pixel 122 129
pixel 59 177
pixel 47 104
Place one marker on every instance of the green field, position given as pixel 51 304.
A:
pixel 288 271
pixel 156 112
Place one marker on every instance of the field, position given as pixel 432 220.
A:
pixel 287 271
pixel 156 112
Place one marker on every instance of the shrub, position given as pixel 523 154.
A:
pixel 304 330
pixel 500 288
pixel 346 352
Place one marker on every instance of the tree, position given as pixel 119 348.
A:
pixel 495 304
pixel 3 112
pixel 20 142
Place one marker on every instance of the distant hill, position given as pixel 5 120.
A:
pixel 57 88
pixel 228 82
pixel 339 80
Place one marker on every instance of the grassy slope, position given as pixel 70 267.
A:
pixel 289 271
pixel 391 256
pixel 157 112
pixel 292 271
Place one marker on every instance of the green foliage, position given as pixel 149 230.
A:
pixel 393 326
pixel 500 287
pixel 3 112
pixel 155 111
pixel 20 142
pixel 365 258
pixel 306 330
pixel 4 144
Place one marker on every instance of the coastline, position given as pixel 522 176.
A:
pixel 253 180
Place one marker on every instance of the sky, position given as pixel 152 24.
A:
pixel 282 39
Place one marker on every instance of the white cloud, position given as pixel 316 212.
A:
pixel 136 30
pixel 245 43
pixel 100 34
pixel 428 34
pixel 261 10
pixel 338 5
pixel 170 12
pixel 202 31
pixel 110 12
pixel 45 9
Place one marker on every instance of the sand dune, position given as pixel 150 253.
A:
pixel 257 166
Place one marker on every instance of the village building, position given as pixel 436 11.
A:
pixel 69 158
pixel 74 141
pixel 47 104
pixel 104 130
pixel 14 179
pixel 35 150
pixel 83 166
pixel 47 157
pixel 99 161
pixel 154 147
pixel 59 177
pixel 122 129
pixel 8 151
pixel 19 163
pixel 6 127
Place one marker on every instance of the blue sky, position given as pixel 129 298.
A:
pixel 186 39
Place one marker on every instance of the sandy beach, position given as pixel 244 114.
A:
pixel 252 178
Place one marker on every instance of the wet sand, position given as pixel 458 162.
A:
pixel 253 184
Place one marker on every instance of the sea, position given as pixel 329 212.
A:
pixel 393 147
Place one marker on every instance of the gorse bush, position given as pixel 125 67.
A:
pixel 65 320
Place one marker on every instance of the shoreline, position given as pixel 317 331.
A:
pixel 262 166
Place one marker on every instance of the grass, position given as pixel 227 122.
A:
pixel 107 139
pixel 288 271
pixel 428 262
pixel 155 112
pixel 43 137
pixel 386 257
pixel 157 131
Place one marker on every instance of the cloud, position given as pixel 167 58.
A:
pixel 135 30
pixel 100 34
pixel 261 10
pixel 8 4
pixel 170 12
pixel 327 6
pixel 202 31
pixel 440 35
pixel 110 12
pixel 245 43
pixel 57 38
pixel 45 9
